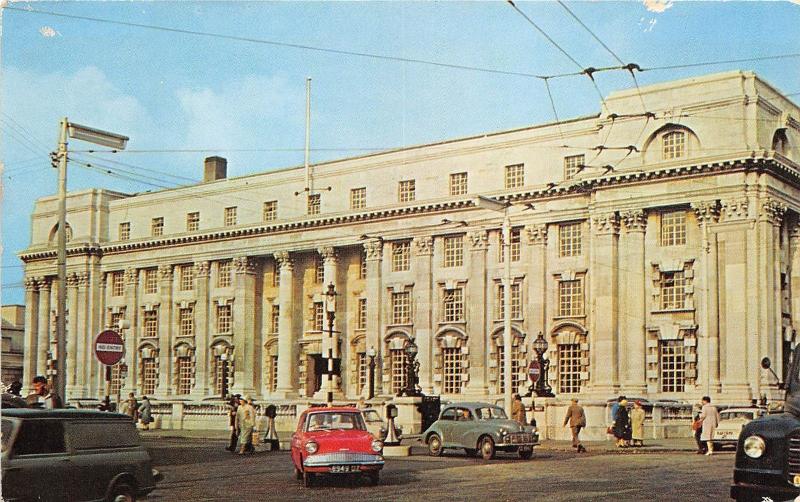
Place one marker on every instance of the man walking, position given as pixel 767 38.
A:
pixel 233 408
pixel 518 410
pixel 710 417
pixel 577 421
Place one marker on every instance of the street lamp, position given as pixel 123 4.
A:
pixel 542 388
pixel 494 205
pixel 224 387
pixel 330 309
pixel 371 354
pixel 96 136
pixel 412 366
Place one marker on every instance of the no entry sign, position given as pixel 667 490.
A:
pixel 534 371
pixel 109 347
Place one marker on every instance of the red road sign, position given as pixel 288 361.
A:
pixel 534 371
pixel 109 347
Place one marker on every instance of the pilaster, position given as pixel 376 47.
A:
pixel 31 332
pixel 205 319
pixel 85 336
pixel 245 312
pixel 632 350
pixel 165 332
pixel 770 219
pixel 373 250
pixel 536 269
pixel 475 303
pixel 707 214
pixel 287 343
pixel 131 334
pixel 604 297
pixel 44 325
pixel 424 329
pixel 72 335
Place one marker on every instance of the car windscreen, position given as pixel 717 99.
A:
pixel 331 420
pixel 5 434
pixel 95 434
pixel 490 412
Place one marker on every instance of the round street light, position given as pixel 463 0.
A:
pixel 411 349
pixel 540 344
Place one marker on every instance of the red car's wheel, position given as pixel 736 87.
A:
pixel 297 474
pixel 308 479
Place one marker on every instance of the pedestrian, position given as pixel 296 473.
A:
pixel 133 407
pixel 518 410
pixel 697 431
pixel 615 409
pixel 145 412
pixel 622 425
pixel 637 424
pixel 42 396
pixel 15 388
pixel 233 406
pixel 576 418
pixel 245 422
pixel 710 417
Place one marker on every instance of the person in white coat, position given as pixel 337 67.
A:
pixel 710 417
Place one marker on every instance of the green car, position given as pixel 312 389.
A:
pixel 479 428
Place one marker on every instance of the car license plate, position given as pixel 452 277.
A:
pixel 521 438
pixel 344 468
pixel 725 435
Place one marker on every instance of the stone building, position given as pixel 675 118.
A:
pixel 655 246
pixel 12 330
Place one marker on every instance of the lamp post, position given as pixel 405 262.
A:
pixel 412 366
pixel 371 354
pixel 542 388
pixel 96 136
pixel 224 387
pixel 330 309
pixel 493 205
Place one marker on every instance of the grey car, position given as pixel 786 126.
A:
pixel 74 455
pixel 479 428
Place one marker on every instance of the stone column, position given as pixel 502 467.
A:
pixel 794 277
pixel 475 302
pixel 131 334
pixel 374 328
pixel 287 344
pixel 707 214
pixel 245 356
pixel 536 268
pixel 604 297
pixel 72 334
pixel 632 270
pixel 31 333
pixel 165 332
pixel 85 344
pixel 423 299
pixel 770 319
pixel 204 320
pixel 43 342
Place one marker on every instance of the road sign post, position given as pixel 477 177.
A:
pixel 534 371
pixel 109 348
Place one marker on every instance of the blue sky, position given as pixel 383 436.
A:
pixel 177 91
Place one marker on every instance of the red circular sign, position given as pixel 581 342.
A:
pixel 109 347
pixel 534 371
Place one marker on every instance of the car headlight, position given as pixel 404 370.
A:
pixel 377 446
pixel 503 432
pixel 754 446
pixel 312 447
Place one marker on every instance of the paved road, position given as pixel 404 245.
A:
pixel 200 469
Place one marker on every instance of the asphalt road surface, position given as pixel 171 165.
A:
pixel 198 469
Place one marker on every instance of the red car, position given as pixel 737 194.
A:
pixel 335 441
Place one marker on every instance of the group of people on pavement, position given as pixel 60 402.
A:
pixel 242 420
pixel 704 424
pixel 627 427
pixel 139 412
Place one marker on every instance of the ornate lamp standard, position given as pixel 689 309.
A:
pixel 412 368
pixel 542 388
pixel 224 387
pixel 330 309
pixel 371 354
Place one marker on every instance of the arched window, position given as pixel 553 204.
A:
pixel 517 360
pixel 670 142
pixel 53 237
pixel 396 362
pixel 184 369
pixel 221 366
pixel 673 145
pixel 451 351
pixel 780 142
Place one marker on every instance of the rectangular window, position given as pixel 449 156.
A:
pixel 186 277
pixel 124 231
pixel 570 239
pixel 672 290
pixel 674 144
pixel 157 227
pixel 224 318
pixel 270 210
pixel 319 270
pixel 573 164
pixel 569 368
pixel 186 321
pixel 230 216
pixel 451 370
pixel 570 298
pixel 515 176
pixel 149 376
pixel 362 266
pixel 150 323
pixel 273 373
pixel 276 274
pixel 406 191
pixel 313 204
pixel 454 251
pixel 401 308
pixel 219 373
pixel 117 283
pixel 401 256
pixel 275 317
pixel 672 365
pixel 516 302
pixel 516 380
pixel 453 305
pixel 151 281
pixel 673 228
pixel 114 320
pixel 358 198
pixel 224 274
pixel 185 375
pixel 514 248
pixel 116 379
pixel 319 316
pixel 458 184
pixel 192 222
pixel 399 364
pixel 362 314
pixel 362 371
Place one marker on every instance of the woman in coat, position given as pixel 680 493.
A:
pixel 637 424
pixel 622 425
pixel 145 413
pixel 710 417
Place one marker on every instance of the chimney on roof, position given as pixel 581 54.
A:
pixel 216 168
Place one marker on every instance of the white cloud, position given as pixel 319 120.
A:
pixel 657 5
pixel 49 32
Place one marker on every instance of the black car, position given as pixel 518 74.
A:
pixel 75 455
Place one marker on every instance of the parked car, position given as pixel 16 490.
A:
pixel 479 428
pixel 377 426
pixel 335 441
pixel 731 422
pixel 76 455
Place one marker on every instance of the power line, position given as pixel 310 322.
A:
pixel 590 32
pixel 727 61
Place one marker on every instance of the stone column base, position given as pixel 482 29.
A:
pixel 408 416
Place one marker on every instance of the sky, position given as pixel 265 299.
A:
pixel 228 79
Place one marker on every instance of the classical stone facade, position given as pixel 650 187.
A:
pixel 13 331
pixel 655 245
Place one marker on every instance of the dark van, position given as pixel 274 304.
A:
pixel 73 455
